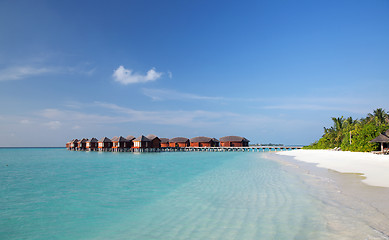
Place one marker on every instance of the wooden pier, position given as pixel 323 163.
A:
pixel 201 149
pixel 231 149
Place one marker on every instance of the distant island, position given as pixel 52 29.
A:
pixel 356 135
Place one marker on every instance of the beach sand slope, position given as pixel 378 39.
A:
pixel 374 168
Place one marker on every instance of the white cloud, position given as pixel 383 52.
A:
pixel 118 114
pixel 298 106
pixel 165 94
pixel 182 118
pixel 90 72
pixel 53 124
pixel 74 117
pixel 15 73
pixel 58 124
pixel 127 76
pixel 21 72
pixel 83 68
pixel 51 113
pixel 25 121
pixel 170 74
pixel 347 105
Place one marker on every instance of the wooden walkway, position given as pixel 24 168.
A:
pixel 231 149
pixel 201 149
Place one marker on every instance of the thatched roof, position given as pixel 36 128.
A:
pixel 74 141
pixel 383 137
pixel 119 139
pixel 178 140
pixel 164 140
pixel 105 139
pixel 122 139
pixel 215 140
pixel 84 140
pixel 130 137
pixel 93 140
pixel 142 139
pixel 152 137
pixel 200 139
pixel 233 139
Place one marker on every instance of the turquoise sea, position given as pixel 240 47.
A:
pixel 60 194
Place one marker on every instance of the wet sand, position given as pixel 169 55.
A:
pixel 353 209
pixel 374 167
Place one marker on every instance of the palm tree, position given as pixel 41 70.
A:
pixel 349 121
pixel 338 123
pixel 379 116
pixel 337 130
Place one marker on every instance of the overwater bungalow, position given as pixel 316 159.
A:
pixel 179 142
pixel 105 144
pixel 82 144
pixel 164 142
pixel 91 144
pixel 202 142
pixel 130 139
pixel 142 142
pixel 155 141
pixel 216 142
pixel 152 143
pixel 383 138
pixel 234 141
pixel 120 143
pixel 74 144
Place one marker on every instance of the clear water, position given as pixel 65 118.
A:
pixel 60 194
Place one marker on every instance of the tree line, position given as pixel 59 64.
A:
pixel 354 134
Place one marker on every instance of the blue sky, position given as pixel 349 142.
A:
pixel 272 71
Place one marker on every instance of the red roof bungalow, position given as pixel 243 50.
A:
pixel 164 142
pixel 216 142
pixel 202 142
pixel 155 141
pixel 142 142
pixel 179 142
pixel 130 139
pixel 105 143
pixel 91 144
pixel 82 144
pixel 74 144
pixel 234 141
pixel 120 142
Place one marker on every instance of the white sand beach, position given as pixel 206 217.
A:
pixel 352 188
pixel 374 168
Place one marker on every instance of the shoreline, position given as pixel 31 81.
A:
pixel 349 202
pixel 373 168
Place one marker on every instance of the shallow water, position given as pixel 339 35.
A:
pixel 60 194
pixel 351 208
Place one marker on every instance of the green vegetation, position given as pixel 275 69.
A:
pixel 354 135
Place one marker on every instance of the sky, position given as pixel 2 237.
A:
pixel 271 71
